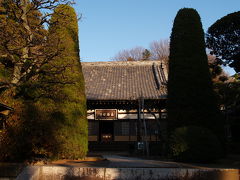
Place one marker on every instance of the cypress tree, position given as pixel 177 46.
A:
pixel 191 99
pixel 68 95
pixel 49 118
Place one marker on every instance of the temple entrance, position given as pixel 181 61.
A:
pixel 106 131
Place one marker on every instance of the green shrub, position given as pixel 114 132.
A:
pixel 194 144
pixel 155 149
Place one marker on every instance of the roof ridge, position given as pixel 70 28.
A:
pixel 120 63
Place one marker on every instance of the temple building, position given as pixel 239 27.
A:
pixel 126 101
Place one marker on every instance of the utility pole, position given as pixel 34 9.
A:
pixel 145 128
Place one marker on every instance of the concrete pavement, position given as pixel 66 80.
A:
pixel 118 161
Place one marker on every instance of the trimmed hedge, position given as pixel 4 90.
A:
pixel 191 99
pixel 195 144
pixel 70 114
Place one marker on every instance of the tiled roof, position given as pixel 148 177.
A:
pixel 124 80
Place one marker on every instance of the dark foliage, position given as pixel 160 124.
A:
pixel 191 99
pixel 195 144
pixel 146 55
pixel 223 39
pixel 49 118
pixel 229 98
pixel 32 137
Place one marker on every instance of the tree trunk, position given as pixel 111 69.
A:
pixel 17 73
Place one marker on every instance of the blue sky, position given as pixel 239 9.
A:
pixel 108 26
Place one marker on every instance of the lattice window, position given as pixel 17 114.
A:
pixel 133 127
pixel 151 127
pixel 125 128
pixel 117 128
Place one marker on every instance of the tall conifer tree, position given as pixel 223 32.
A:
pixel 68 93
pixel 41 78
pixel 191 100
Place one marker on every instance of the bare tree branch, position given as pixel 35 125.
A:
pixel 133 54
pixel 23 45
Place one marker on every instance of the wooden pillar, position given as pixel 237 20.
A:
pixel 139 125
pixel 129 130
